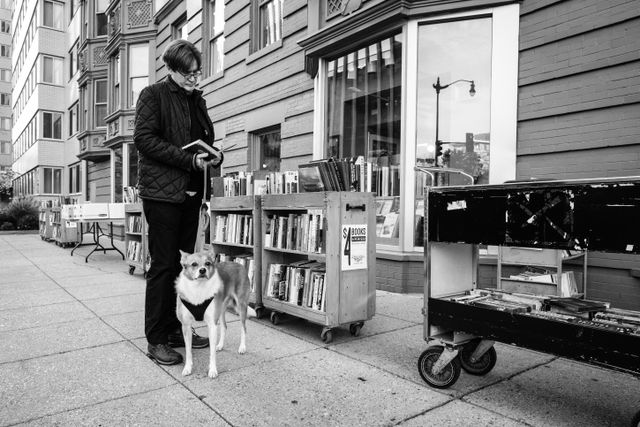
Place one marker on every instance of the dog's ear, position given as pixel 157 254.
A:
pixel 183 256
pixel 211 254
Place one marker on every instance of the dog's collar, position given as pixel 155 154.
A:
pixel 197 310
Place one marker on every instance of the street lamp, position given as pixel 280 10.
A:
pixel 438 87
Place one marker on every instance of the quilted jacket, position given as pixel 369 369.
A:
pixel 162 127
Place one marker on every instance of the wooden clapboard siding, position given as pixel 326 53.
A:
pixel 579 88
pixel 579 109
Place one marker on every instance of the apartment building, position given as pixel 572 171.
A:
pixel 6 159
pixel 44 125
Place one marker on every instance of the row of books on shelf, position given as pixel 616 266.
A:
pixel 130 195
pixel 299 232
pixel 573 310
pixel 134 251
pixel 134 224
pixel 243 259
pixel 233 228
pixel 300 283
pixel 350 174
pixel 567 285
pixel 255 183
pixel 58 201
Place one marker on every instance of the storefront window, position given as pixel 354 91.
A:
pixel 117 178
pixel 363 119
pixel 133 165
pixel 453 120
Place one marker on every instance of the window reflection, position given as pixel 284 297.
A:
pixel 453 106
pixel 364 105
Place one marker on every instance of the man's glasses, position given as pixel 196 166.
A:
pixel 191 76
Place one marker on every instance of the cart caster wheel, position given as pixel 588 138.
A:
pixel 326 336
pixel 447 377
pixel 481 366
pixel 355 328
pixel 259 312
pixel 131 269
pixel 275 317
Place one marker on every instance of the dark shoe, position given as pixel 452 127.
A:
pixel 177 340
pixel 163 354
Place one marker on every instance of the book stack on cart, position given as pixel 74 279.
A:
pixel 595 314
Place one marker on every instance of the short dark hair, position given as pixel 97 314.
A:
pixel 180 54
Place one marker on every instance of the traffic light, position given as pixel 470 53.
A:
pixel 438 149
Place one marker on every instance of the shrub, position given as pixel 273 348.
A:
pixel 7 225
pixel 28 222
pixel 23 212
pixel 5 217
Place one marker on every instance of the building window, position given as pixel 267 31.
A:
pixel 266 149
pixel 5 75
pixel 268 20
pixel 5 99
pixel 74 5
pixel 364 109
pixel 52 70
pixel 73 119
pixel 52 181
pixel 100 99
pixel 53 14
pixel 115 73
pixel 74 179
pixel 5 147
pixel 132 173
pixel 214 28
pixel 101 24
pixel 5 26
pixel 138 71
pixel 5 123
pixel 5 50
pixel 51 125
pixel 6 4
pixel 180 28
pixel 73 60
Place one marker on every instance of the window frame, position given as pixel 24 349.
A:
pixel 256 146
pixel 54 114
pixel 54 25
pixel 56 62
pixel 96 18
pixel 212 35
pixel 257 44
pixel 97 103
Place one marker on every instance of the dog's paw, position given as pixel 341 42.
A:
pixel 219 347
pixel 213 372
pixel 242 349
pixel 186 370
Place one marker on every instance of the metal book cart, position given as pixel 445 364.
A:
pixel 566 215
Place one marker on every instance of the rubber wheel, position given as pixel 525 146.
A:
pixel 326 336
pixel 259 312
pixel 447 377
pixel 355 328
pixel 131 269
pixel 275 318
pixel 481 366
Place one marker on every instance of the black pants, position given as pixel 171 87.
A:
pixel 172 227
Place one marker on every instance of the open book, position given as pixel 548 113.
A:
pixel 200 146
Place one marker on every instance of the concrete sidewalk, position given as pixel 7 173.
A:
pixel 73 353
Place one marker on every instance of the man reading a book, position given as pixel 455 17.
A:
pixel 171 114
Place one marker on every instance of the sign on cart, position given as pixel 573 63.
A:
pixel 354 247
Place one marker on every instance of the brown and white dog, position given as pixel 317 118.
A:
pixel 205 289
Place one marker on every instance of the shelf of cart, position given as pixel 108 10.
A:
pixel 133 233
pixel 233 203
pixel 314 316
pixel 235 245
pixel 311 255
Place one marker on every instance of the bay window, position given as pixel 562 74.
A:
pixel 138 71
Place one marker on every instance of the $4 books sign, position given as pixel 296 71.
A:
pixel 354 247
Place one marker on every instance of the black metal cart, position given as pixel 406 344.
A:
pixel 565 215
